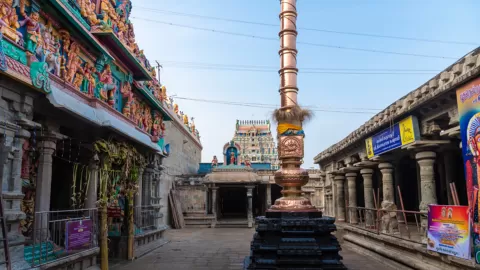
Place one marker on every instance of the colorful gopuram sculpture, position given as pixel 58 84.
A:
pixel 49 49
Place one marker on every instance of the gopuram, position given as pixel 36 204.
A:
pixel 293 234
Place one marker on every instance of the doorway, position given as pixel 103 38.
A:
pixel 233 202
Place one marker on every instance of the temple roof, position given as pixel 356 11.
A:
pixel 232 174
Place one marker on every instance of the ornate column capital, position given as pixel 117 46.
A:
pixel 351 175
pixel 366 172
pixel 339 178
pixel 426 156
pixel 385 167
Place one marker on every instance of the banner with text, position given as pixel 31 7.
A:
pixel 400 134
pixel 449 230
pixel 468 101
pixel 78 235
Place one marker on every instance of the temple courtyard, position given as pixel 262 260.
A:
pixel 220 249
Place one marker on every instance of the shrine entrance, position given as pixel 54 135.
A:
pixel 233 202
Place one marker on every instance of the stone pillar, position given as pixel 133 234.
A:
pixel 91 197
pixel 250 205
pixel 426 160
pixel 449 174
pixel 340 197
pixel 207 207
pixel 321 192
pixel 268 195
pixel 140 191
pixel 46 147
pixel 147 186
pixel 368 194
pixel 352 197
pixel 387 182
pixel 214 204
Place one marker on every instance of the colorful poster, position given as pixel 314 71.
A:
pixel 468 101
pixel 399 134
pixel 449 230
pixel 78 235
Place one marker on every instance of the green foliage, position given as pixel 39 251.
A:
pixel 120 164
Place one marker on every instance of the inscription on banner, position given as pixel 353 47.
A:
pixel 400 134
pixel 78 235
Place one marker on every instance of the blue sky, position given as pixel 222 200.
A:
pixel 426 19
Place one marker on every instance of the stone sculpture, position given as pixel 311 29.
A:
pixel 389 217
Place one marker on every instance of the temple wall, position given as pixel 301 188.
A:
pixel 184 158
pixel 192 198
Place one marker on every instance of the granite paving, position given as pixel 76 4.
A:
pixel 219 249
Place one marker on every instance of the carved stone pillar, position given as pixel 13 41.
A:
pixel 426 160
pixel 368 194
pixel 352 197
pixel 250 205
pixel 91 197
pixel 268 195
pixel 321 191
pixel 214 203
pixel 340 197
pixel 46 147
pixel 449 161
pixel 206 200
pixel 387 182
pixel 147 186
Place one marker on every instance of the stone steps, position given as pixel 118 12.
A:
pixel 407 254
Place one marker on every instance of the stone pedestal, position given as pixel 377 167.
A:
pixel 294 240
pixel 340 197
pixel 250 205
pixel 368 194
pixel 352 197
pixel 426 160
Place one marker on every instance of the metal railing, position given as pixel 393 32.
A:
pixel 402 224
pixel 147 218
pixel 59 234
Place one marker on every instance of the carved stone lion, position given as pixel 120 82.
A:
pixel 389 218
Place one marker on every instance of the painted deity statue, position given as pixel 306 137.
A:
pixel 87 9
pixel 9 20
pixel 175 108
pixel 33 31
pixel 89 83
pixel 185 119
pixel 214 161
pixel 247 163
pixel 158 127
pixel 128 95
pixel 192 125
pixel 107 85
pixel 147 119
pixel 232 158
pixel 163 92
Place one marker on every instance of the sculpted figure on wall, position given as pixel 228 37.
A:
pixel 9 21
pixel 33 37
pixel 106 84
pixel 87 9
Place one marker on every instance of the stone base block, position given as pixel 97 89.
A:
pixel 149 241
pixel 294 240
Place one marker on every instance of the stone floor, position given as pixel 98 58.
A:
pixel 219 249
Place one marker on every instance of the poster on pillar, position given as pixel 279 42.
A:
pixel 449 230
pixel 468 102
